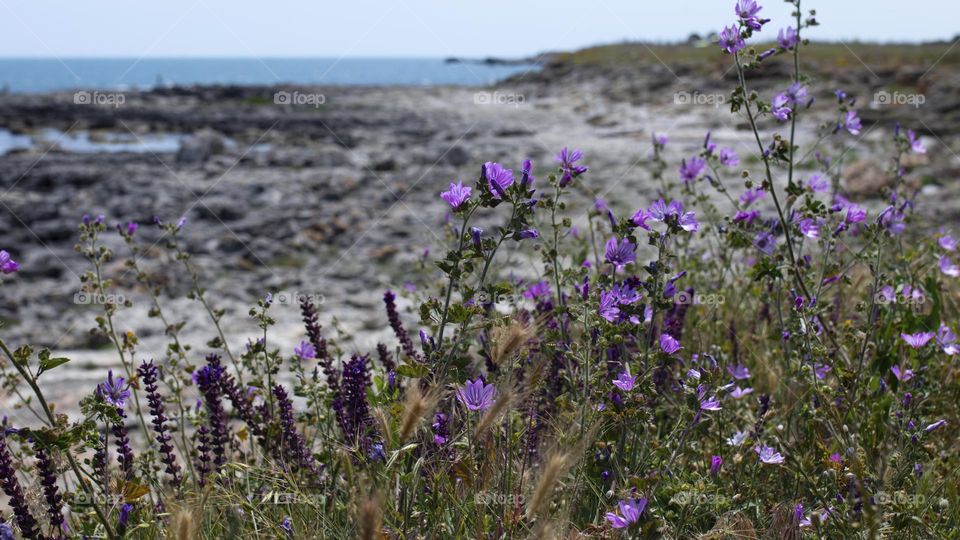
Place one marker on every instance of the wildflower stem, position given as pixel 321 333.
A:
pixel 795 267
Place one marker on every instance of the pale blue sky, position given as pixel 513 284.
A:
pixel 435 28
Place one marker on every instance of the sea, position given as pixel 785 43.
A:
pixel 37 75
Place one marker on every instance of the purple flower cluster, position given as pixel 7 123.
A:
pixel 358 423
pixel 209 380
pixel 11 487
pixel 293 449
pixel 115 392
pixel 48 480
pixel 389 300
pixel 149 376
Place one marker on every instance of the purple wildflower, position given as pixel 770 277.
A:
pixel 630 511
pixel 498 179
pixel 209 380
pixel 738 392
pixel 48 480
pixel 457 195
pixel 538 290
pixel 662 212
pixel 569 170
pixel 948 267
pixel 668 344
pixel 768 455
pixel 149 376
pixel 293 447
pixel 779 107
pixel 809 228
pixel 739 372
pixel 936 425
pixel 765 242
pixel 747 13
pixel 8 265
pixel 476 395
pixel 526 174
pixel 441 429
pixel 11 487
pixel 389 299
pixel 947 340
pixel 918 340
pixel 305 351
pixel 609 303
pixel 625 382
pixel 356 382
pixel 737 438
pixel 729 158
pixel 730 40
pixel 915 144
pixel 476 234
pixel 751 196
pixel 902 375
pixel 947 242
pixel 620 254
pixel 690 170
pixel 123 519
pixel 707 403
pixel 114 391
pixel 817 183
pixel 787 38
pixel 852 123
pixel 528 234
pixel 715 463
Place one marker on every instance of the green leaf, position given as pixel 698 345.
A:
pixel 47 363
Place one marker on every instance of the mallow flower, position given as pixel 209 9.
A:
pixel 787 38
pixel 768 455
pixel 7 264
pixel 476 395
pixel 456 195
pixel 568 167
pixel 630 510
pixel 498 179
pixel 621 253
pixel 730 40
pixel 625 382
pixel 669 344
pixel 917 340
